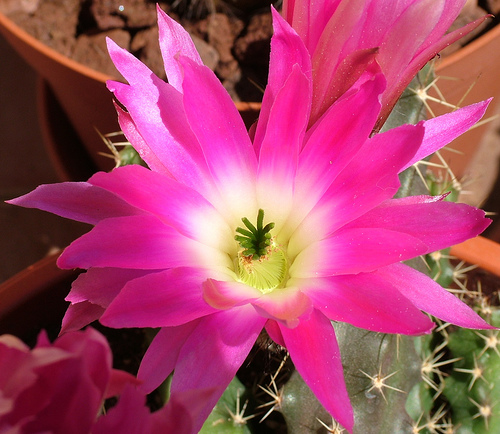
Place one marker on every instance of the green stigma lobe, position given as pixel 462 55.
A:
pixel 254 240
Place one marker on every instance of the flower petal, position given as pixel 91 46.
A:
pixel 173 203
pixel 227 147
pixel 157 111
pixel 79 201
pixel 274 332
pixel 166 299
pixel 220 344
pixel 175 41
pixel 81 314
pixel 366 301
pixel 284 305
pixel 328 150
pixel 432 220
pixel 287 51
pixel 135 138
pixel 279 151
pixel 315 353
pixel 353 251
pixel 429 296
pixel 162 354
pixel 225 295
pixel 141 242
pixel 92 292
pixel 443 129
pixel 370 178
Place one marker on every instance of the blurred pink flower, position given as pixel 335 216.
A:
pixel 56 388
pixel 345 36
pixel 321 237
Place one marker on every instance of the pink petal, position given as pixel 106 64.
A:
pixel 352 251
pixel 135 138
pixel 220 345
pixel 432 220
pixel 226 147
pixel 328 150
pixel 78 315
pixel 351 195
pixel 274 332
pixel 178 414
pixel 279 151
pixel 141 242
pixel 443 129
pixel 119 381
pixel 175 41
pixel 166 299
pixel 429 296
pixel 101 285
pixel 330 51
pixel 348 72
pixel 79 201
pixel 419 18
pixel 157 111
pixel 130 415
pixel 287 52
pixel 162 354
pixel 283 304
pixel 427 54
pixel 315 353
pixel 225 295
pixel 173 203
pixel 92 292
pixel 366 301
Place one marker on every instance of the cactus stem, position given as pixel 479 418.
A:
pixel 433 423
pixel 476 372
pixel 378 382
pixel 238 416
pixel 275 394
pixel 335 427
pixel 430 367
pixel 485 411
pixel 490 341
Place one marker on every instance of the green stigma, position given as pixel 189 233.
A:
pixel 255 240
pixel 261 263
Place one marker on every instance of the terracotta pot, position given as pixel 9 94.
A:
pixel 480 251
pixel 467 76
pixel 34 299
pixel 79 92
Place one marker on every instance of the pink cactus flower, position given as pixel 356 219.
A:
pixel 56 388
pixel 345 36
pixel 286 229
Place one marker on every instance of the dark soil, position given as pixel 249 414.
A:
pixel 232 36
pixel 234 42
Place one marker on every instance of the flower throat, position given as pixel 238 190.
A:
pixel 261 262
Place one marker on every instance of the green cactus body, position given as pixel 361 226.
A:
pixel 229 416
pixel 473 387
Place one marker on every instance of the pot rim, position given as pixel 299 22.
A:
pixel 483 40
pixel 481 251
pixel 11 27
